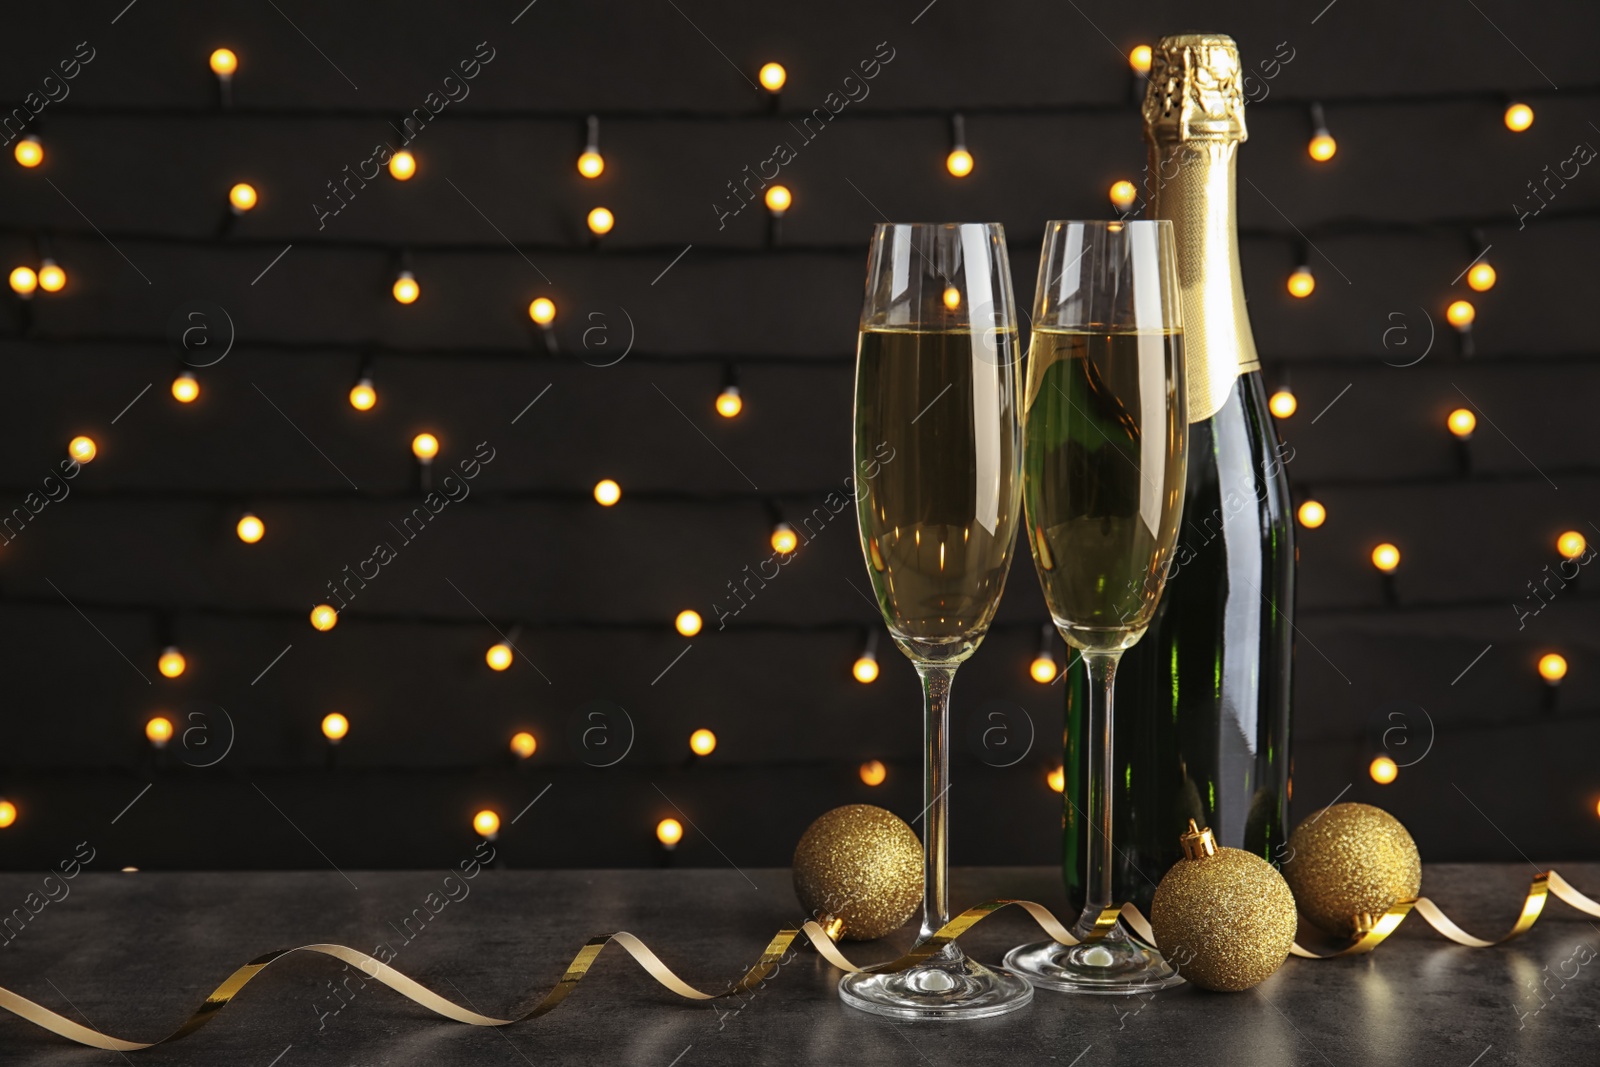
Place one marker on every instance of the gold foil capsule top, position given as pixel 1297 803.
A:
pixel 1196 90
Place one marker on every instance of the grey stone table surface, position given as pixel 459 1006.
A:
pixel 135 953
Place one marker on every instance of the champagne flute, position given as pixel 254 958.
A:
pixel 1105 442
pixel 938 496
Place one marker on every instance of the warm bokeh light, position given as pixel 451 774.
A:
pixel 171 664
pixel 425 446
pixel 1312 514
pixel 8 813
pixel 1283 404
pixel 958 162
pixel 773 76
pixel 403 165
pixel 186 388
pixel 601 221
pixel 29 151
pixel 324 618
pixel 873 772
pixel 1322 147
pixel 784 540
pixel 52 279
pixel 1302 282
pixel 487 823
pixel 702 742
pixel 250 529
pixel 224 62
pixel 1552 667
pixel 778 199
pixel 1123 194
pixel 363 396
pixel 1571 544
pixel 1481 277
pixel 1386 557
pixel 1460 314
pixel 1519 117
pixel 952 298
pixel 1383 770
pixel 1462 422
pixel 499 656
pixel 729 402
pixel 542 311
pixel 669 832
pixel 523 744
pixel 607 492
pixel 335 726
pixel 158 730
pixel 1139 58
pixel 405 289
pixel 1043 669
pixel 24 281
pixel 82 448
pixel 591 163
pixel 865 669
pixel 242 197
pixel 688 622
pixel 1057 779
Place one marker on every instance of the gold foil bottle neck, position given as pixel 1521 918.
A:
pixel 1193 123
pixel 1196 90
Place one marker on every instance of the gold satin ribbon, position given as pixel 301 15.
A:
pixel 1544 884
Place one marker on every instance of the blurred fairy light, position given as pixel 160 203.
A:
pixel 1302 283
pixel 773 76
pixel 186 387
pixel 250 529
pixel 1462 422
pixel 158 730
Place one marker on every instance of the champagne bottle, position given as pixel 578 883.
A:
pixel 1202 720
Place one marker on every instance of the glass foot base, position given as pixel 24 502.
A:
pixel 937 989
pixel 1115 965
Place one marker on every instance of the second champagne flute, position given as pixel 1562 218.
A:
pixel 938 451
pixel 1105 439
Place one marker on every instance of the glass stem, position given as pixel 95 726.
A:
pixel 935 797
pixel 1102 668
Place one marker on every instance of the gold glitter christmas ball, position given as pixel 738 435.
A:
pixel 1223 917
pixel 862 865
pixel 1349 864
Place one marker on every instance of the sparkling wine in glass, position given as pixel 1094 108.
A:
pixel 1105 439
pixel 938 496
